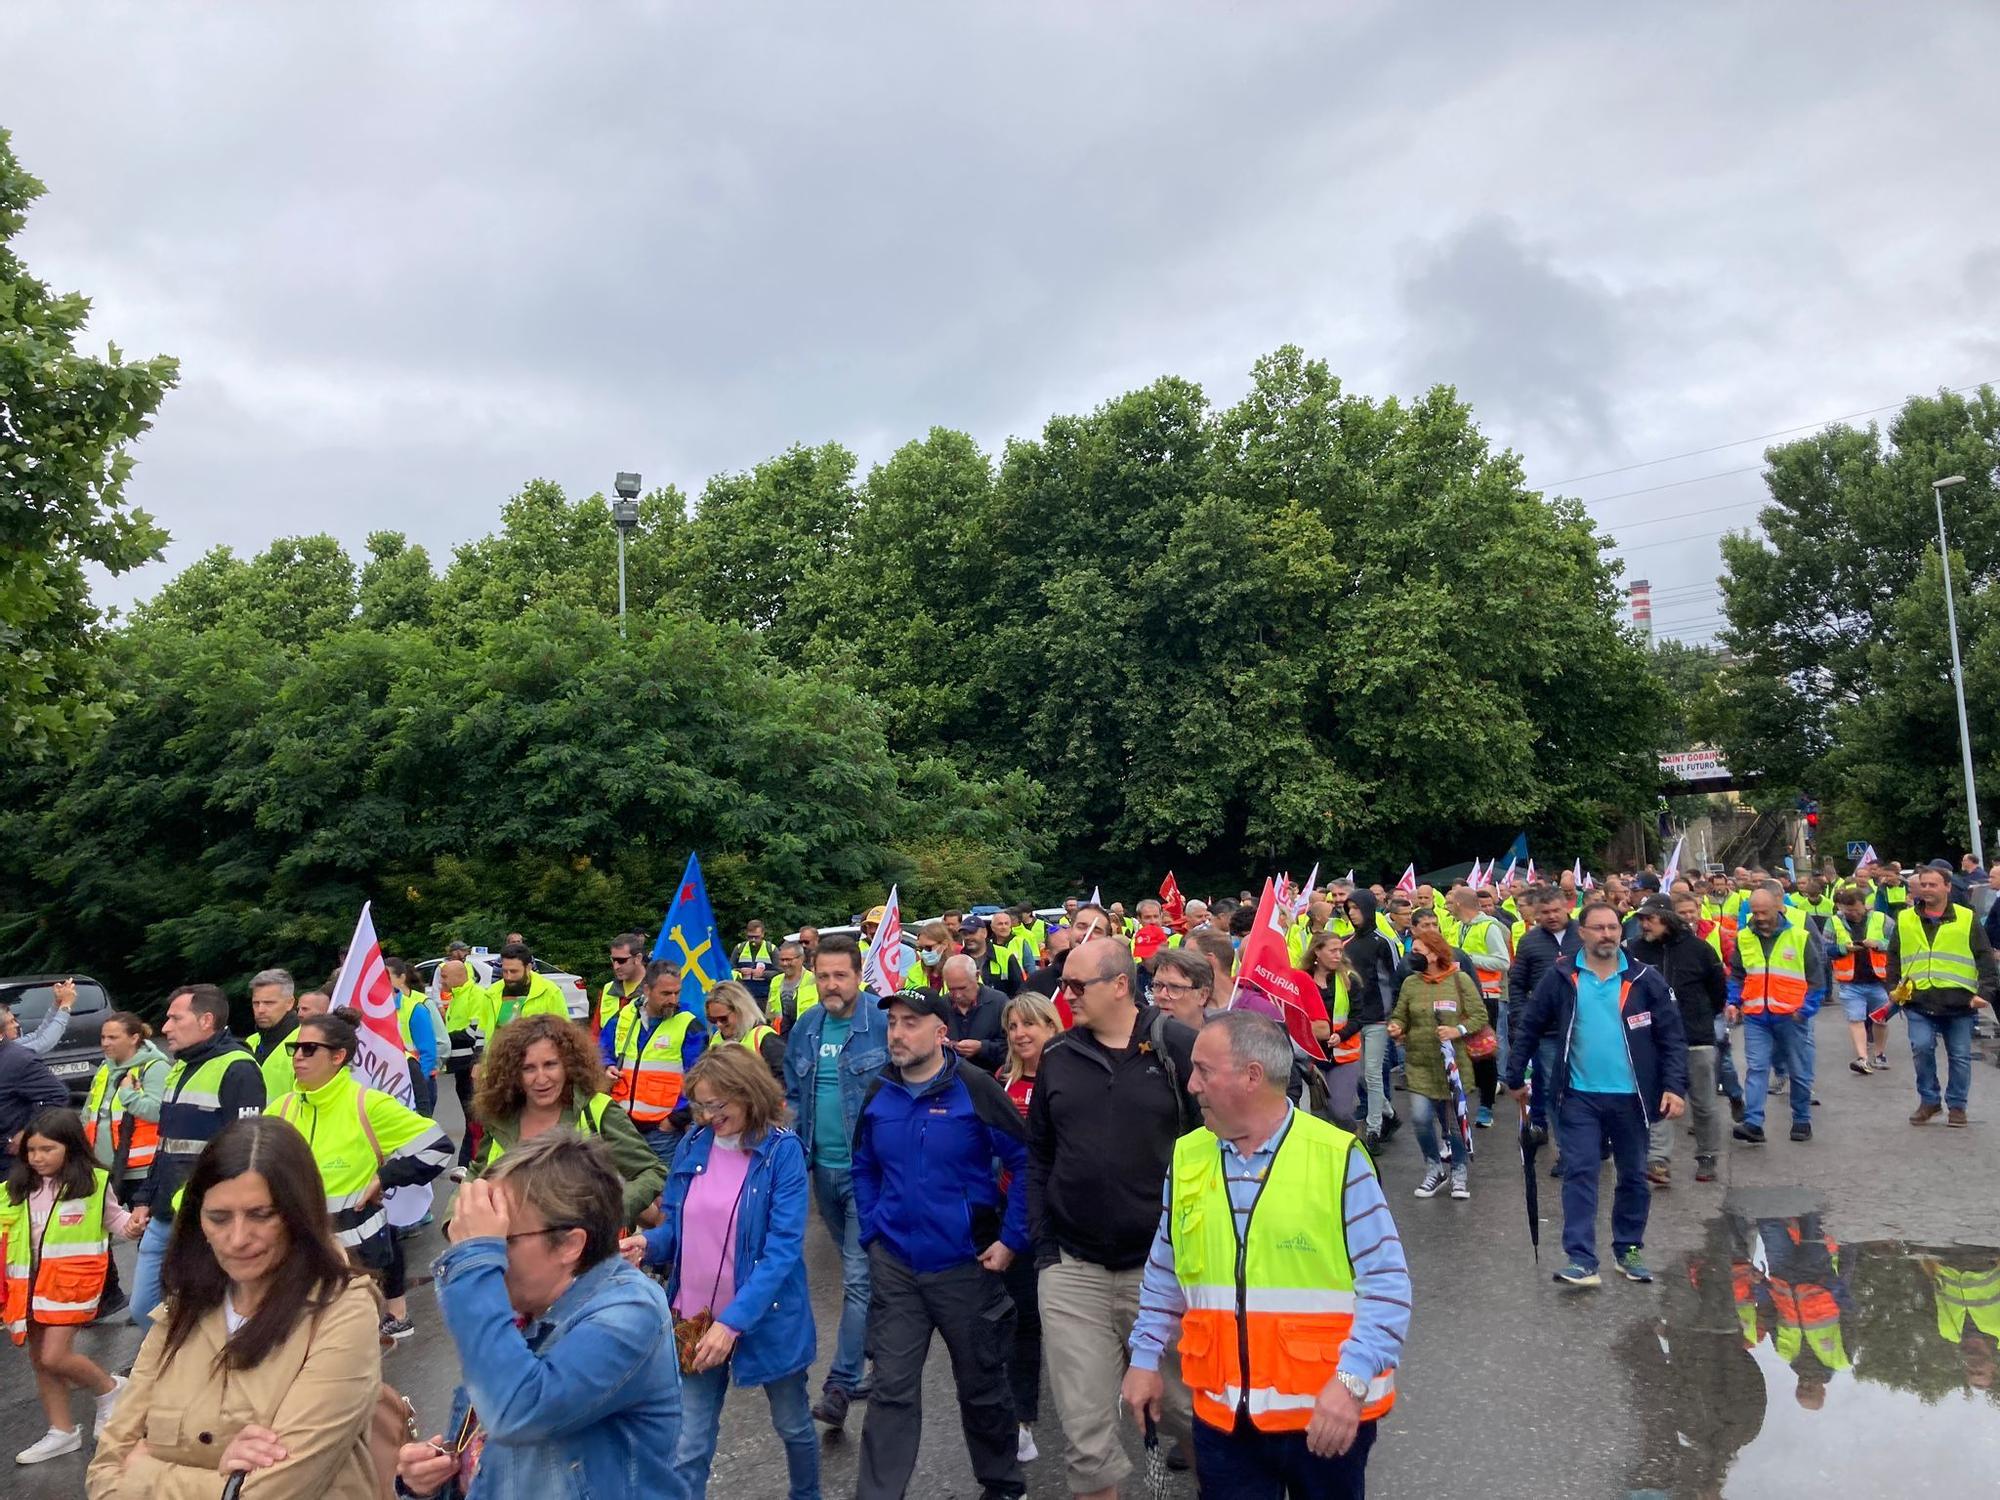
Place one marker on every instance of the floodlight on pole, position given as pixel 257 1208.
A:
pixel 624 516
pixel 1938 487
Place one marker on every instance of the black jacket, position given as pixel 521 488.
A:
pixel 186 1127
pixel 1654 1040
pixel 1374 958
pixel 27 1087
pixel 1694 973
pixel 1101 1133
pixel 981 1024
pixel 1537 954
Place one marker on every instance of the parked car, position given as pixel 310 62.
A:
pixel 486 967
pixel 76 1056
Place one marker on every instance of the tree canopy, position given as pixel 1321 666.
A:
pixel 66 420
pixel 1840 682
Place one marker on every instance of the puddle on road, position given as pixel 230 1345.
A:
pixel 1788 1362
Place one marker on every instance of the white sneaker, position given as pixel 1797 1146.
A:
pixel 1461 1184
pixel 1433 1183
pixel 52 1444
pixel 106 1403
pixel 1024 1446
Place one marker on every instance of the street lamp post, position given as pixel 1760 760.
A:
pixel 1938 487
pixel 625 516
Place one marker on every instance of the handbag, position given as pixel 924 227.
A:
pixel 688 1331
pixel 1482 1043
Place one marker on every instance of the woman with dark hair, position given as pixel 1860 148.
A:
pixel 541 1072
pixel 57 1216
pixel 1327 966
pixel 364 1142
pixel 571 1384
pixel 734 1234
pixel 268 1358
pixel 121 1116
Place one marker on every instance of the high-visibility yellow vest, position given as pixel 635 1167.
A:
pixel 1967 1296
pixel 1292 1277
pixel 145 1134
pixel 748 954
pixel 614 997
pixel 1774 978
pixel 754 1038
pixel 589 1121
pixel 1336 1012
pixel 1807 1314
pixel 203 1087
pixel 1874 929
pixel 58 1276
pixel 542 999
pixel 1943 962
pixel 351 1131
pixel 1492 982
pixel 650 1077
pixel 803 999
pixel 275 1062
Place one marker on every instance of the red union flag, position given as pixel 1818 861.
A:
pixel 382 1063
pixel 882 971
pixel 1172 902
pixel 1265 976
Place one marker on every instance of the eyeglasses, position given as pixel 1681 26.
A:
pixel 1078 986
pixel 308 1049
pixel 1161 987
pixel 719 1020
pixel 624 958
pixel 528 1234
pixel 707 1107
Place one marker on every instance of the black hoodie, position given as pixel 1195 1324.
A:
pixel 1374 959
pixel 1692 971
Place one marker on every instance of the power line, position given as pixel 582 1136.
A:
pixel 1674 484
pixel 1672 540
pixel 1760 437
pixel 1682 515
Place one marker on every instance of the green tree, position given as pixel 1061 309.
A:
pixel 1836 619
pixel 66 422
pixel 396 582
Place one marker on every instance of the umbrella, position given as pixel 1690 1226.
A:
pixel 1156 1461
pixel 1458 1102
pixel 1530 1144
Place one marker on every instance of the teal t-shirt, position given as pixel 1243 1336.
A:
pixel 830 1144
pixel 1598 1060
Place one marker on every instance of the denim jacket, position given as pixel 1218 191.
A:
pixel 865 1055
pixel 770 1310
pixel 587 1402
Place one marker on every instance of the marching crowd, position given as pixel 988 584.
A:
pixel 1103 1124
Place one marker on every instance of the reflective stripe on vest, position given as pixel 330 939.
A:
pixel 145 1134
pixel 754 1037
pixel 1349 1050
pixel 1492 982
pixel 1875 929
pixel 1943 962
pixel 649 1077
pixel 55 1278
pixel 344 1148
pixel 1292 1280
pixel 1774 983
pixel 1964 1296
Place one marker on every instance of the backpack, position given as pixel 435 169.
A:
pixel 1156 1038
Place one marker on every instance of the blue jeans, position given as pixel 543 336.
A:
pixel 1777 1044
pixel 1246 1464
pixel 665 1142
pixel 1925 1033
pixel 1859 996
pixel 1584 1122
pixel 833 1190
pixel 1424 1115
pixel 153 1250
pixel 701 1419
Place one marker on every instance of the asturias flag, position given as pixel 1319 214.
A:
pixel 689 936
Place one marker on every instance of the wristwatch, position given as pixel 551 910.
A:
pixel 1354 1385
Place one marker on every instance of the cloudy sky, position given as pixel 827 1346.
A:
pixel 411 256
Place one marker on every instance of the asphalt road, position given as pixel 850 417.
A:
pixel 1510 1385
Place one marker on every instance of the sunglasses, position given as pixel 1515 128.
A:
pixel 308 1049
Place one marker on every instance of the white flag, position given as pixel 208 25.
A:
pixel 381 1062
pixel 882 970
pixel 1673 869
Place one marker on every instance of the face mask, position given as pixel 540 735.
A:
pixel 932 958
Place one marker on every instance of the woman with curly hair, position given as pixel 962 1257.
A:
pixel 541 1072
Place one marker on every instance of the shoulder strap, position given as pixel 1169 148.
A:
pixel 367 1125
pixel 1156 1033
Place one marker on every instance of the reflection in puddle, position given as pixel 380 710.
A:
pixel 1788 1363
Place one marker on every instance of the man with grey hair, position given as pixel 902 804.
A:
pixel 1276 1205
pixel 973 1027
pixel 1110 1100
pixel 277 1016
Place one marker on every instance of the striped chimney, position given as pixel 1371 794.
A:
pixel 1641 595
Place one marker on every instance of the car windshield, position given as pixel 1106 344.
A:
pixel 31 1002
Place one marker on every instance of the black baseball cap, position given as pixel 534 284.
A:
pixel 925 1002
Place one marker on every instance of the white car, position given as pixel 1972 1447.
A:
pixel 485 966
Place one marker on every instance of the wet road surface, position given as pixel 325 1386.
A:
pixel 1814 1331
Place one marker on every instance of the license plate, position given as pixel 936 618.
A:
pixel 69 1069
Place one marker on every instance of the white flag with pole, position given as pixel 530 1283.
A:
pixel 381 1061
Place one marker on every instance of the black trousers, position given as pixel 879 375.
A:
pixel 1245 1464
pixel 461 1080
pixel 1024 1360
pixel 970 1307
